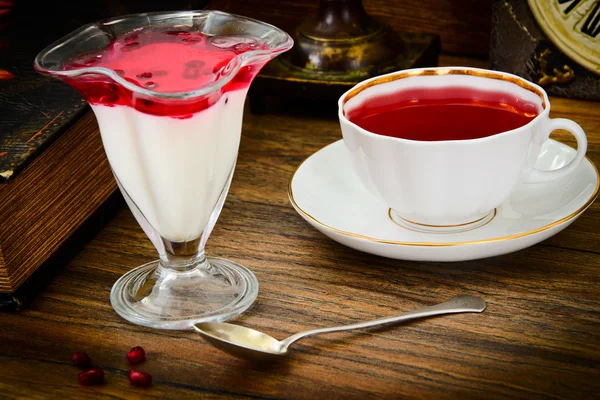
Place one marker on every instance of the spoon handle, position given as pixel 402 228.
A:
pixel 458 304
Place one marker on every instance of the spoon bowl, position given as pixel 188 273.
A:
pixel 241 341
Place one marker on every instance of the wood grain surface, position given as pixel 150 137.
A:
pixel 463 25
pixel 539 337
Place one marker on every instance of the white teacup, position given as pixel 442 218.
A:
pixel 453 183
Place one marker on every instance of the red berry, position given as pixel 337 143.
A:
pixel 192 39
pixel 94 376
pixel 81 359
pixel 130 46
pixel 177 33
pixel 136 355
pixel 195 64
pixel 138 378
pixel 145 75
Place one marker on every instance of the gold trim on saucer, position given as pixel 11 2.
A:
pixel 445 71
pixel 437 244
pixel 441 232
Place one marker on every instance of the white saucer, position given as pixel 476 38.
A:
pixel 326 193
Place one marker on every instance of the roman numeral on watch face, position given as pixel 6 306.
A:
pixel 571 6
pixel 591 25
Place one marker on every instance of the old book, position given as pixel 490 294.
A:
pixel 46 202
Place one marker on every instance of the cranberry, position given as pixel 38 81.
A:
pixel 145 75
pixel 138 378
pixel 94 376
pixel 136 355
pixel 81 359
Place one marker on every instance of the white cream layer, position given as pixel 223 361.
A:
pixel 174 170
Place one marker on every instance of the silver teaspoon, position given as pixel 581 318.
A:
pixel 254 345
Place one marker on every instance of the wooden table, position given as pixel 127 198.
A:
pixel 539 337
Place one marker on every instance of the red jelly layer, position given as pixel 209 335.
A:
pixel 166 61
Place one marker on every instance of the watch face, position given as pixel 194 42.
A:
pixel 573 26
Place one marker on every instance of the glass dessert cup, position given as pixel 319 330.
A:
pixel 174 170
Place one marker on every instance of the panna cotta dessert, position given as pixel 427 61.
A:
pixel 173 158
pixel 168 92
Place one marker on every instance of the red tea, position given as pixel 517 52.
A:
pixel 454 113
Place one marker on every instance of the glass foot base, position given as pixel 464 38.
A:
pixel 153 296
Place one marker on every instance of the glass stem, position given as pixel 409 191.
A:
pixel 183 256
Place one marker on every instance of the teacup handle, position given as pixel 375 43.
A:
pixel 538 176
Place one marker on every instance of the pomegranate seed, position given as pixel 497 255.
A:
pixel 195 64
pixel 192 40
pixel 138 378
pixel 136 355
pixel 81 359
pixel 130 46
pixel 191 73
pixel 177 33
pixel 94 376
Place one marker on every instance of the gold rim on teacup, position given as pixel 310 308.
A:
pixel 502 76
